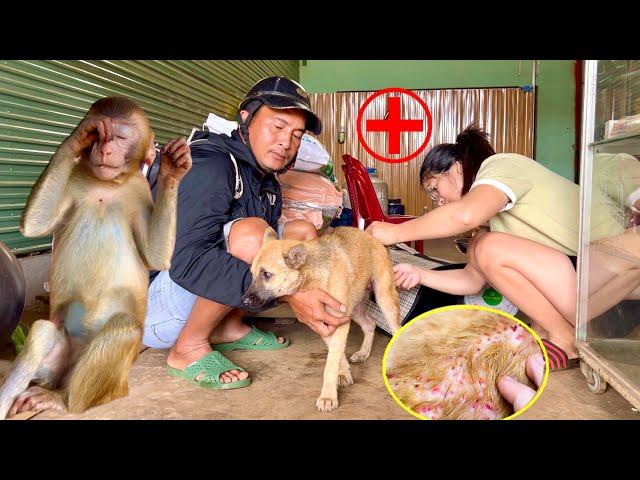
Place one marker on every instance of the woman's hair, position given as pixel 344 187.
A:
pixel 471 149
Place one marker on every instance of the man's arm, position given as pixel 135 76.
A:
pixel 200 262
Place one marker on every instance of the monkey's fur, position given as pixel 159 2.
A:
pixel 446 366
pixel 108 234
pixel 344 262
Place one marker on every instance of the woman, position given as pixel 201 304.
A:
pixel 529 254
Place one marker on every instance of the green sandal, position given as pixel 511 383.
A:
pixel 213 365
pixel 256 339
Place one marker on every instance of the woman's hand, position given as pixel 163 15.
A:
pixel 518 394
pixel 406 275
pixel 384 232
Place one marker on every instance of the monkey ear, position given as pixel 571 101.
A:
pixel 150 154
pixel 269 234
pixel 296 256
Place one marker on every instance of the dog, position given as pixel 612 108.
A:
pixel 346 263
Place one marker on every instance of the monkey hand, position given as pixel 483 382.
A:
pixel 89 131
pixel 175 162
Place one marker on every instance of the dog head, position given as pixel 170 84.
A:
pixel 275 270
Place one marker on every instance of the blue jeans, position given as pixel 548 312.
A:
pixel 168 307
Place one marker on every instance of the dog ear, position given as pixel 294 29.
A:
pixel 269 234
pixel 296 256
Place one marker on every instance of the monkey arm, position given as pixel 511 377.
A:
pixel 49 200
pixel 156 233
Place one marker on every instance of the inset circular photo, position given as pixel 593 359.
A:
pixel 465 362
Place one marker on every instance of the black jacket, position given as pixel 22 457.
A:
pixel 206 202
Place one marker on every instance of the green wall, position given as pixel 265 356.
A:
pixel 555 126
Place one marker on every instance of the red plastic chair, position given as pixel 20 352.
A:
pixel 364 202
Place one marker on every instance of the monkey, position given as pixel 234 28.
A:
pixel 108 233
pixel 446 366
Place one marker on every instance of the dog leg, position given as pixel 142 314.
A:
pixel 387 299
pixel 344 373
pixel 337 343
pixel 368 326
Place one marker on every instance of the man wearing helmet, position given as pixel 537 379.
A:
pixel 225 203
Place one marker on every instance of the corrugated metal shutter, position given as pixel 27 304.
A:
pixel 41 102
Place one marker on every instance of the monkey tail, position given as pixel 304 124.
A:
pixel 102 372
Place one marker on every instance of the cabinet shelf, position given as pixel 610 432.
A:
pixel 629 140
pixel 607 359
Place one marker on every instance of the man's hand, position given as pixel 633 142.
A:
pixel 406 275
pixel 175 162
pixel 384 232
pixel 518 394
pixel 309 307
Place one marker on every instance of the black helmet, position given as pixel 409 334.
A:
pixel 283 93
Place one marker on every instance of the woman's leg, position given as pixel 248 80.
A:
pixel 613 279
pixel 539 280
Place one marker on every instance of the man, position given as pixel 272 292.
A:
pixel 225 203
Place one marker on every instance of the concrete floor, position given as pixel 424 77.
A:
pixel 286 384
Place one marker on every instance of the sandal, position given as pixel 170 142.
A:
pixel 256 339
pixel 558 358
pixel 213 365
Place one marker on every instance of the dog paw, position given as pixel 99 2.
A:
pixel 359 357
pixel 325 404
pixel 345 380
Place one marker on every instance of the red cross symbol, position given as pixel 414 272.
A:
pixel 394 125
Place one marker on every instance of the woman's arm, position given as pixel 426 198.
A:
pixel 460 281
pixel 471 211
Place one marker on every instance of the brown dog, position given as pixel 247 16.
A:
pixel 345 263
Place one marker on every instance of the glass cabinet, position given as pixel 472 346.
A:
pixel 608 309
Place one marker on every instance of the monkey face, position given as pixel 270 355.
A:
pixel 121 155
pixel 275 136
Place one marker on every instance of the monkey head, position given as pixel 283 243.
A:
pixel 132 142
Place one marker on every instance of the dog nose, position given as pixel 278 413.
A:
pixel 250 299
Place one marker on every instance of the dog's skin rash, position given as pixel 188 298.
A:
pixel 446 366
pixel 346 263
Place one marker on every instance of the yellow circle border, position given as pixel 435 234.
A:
pixel 466 307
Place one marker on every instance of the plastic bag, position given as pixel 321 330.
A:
pixel 309 196
pixel 313 157
pixel 217 124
